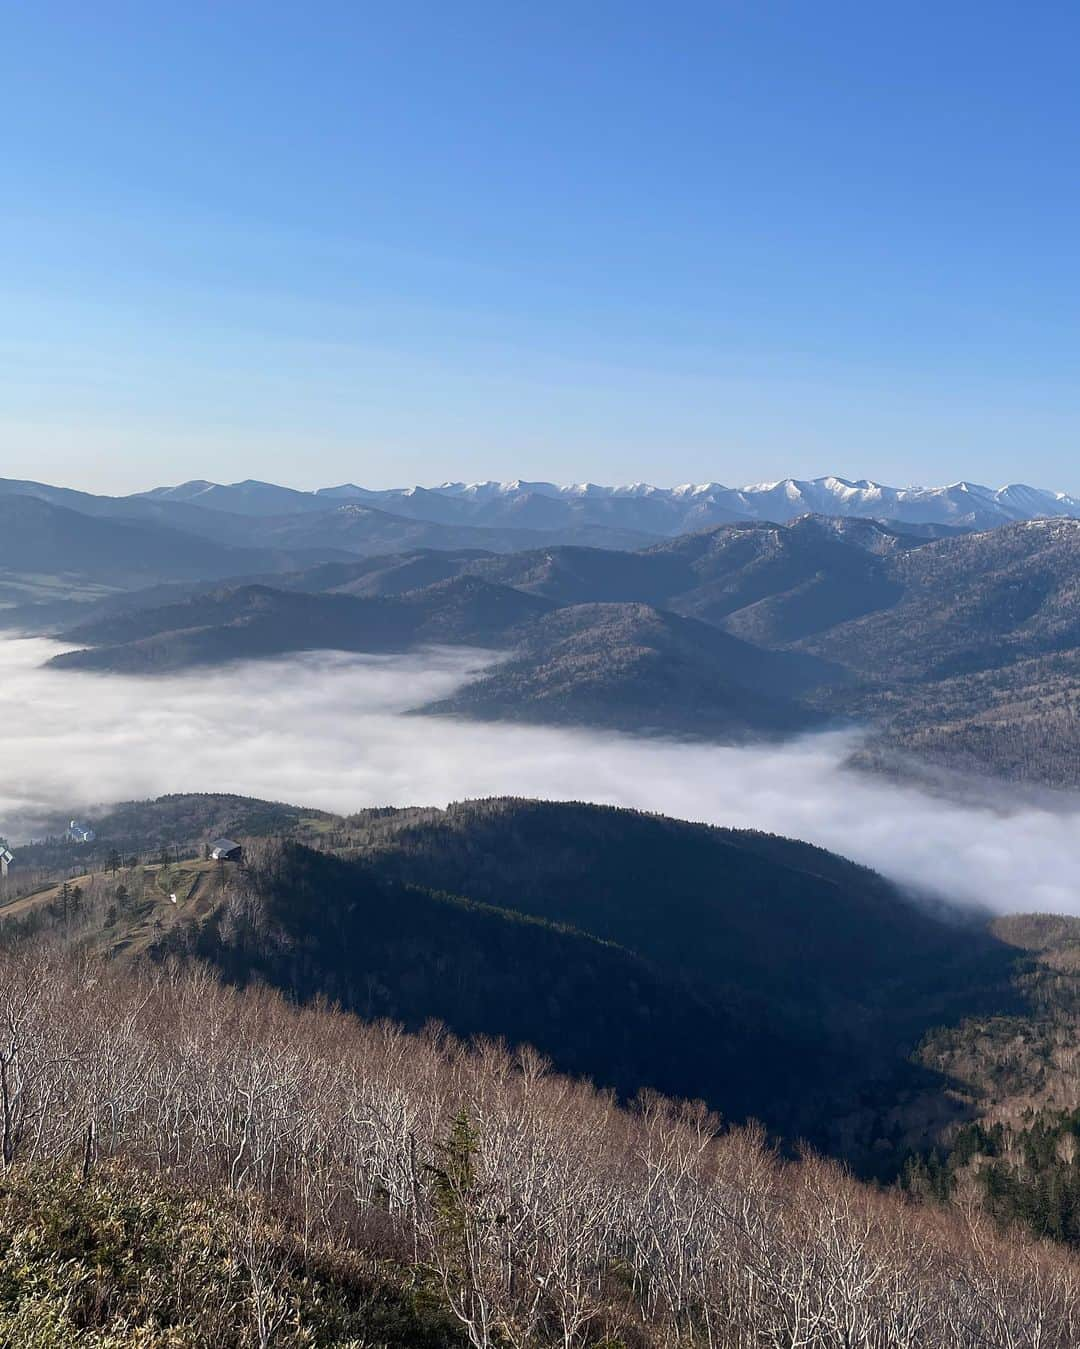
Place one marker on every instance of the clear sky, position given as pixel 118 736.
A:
pixel 402 242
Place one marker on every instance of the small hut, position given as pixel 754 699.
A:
pixel 225 850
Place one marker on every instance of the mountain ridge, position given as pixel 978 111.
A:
pixel 663 510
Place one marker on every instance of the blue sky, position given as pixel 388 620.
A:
pixel 403 242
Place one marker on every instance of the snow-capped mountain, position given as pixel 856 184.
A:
pixel 645 508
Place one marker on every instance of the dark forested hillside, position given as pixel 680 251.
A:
pixel 771 978
pixel 321 926
pixel 720 907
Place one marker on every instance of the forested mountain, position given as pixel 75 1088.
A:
pixel 635 668
pixel 252 621
pixel 970 604
pixel 977 665
pixel 768 977
pixel 615 665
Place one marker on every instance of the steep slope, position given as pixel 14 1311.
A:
pixel 767 976
pixel 287 1176
pixel 717 905
pixel 325 927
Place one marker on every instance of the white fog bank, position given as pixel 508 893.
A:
pixel 325 730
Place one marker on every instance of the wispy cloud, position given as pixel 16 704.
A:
pixel 325 730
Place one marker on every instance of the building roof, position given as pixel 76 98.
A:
pixel 224 845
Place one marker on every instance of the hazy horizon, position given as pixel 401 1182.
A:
pixel 93 483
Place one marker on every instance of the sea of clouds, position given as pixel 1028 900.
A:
pixel 326 730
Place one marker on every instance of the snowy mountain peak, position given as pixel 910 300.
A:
pixel 643 508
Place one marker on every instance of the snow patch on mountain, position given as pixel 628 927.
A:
pixel 643 507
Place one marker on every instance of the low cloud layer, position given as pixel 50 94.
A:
pixel 327 731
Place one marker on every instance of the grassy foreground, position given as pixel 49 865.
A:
pixel 120 1261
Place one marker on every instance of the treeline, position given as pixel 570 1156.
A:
pixel 541 1212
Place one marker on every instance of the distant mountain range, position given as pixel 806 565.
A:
pixel 960 643
pixel 98 538
pixel 498 517
pixel 639 506
pixel 964 649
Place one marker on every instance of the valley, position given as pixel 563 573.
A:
pixel 773 816
pixel 738 631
